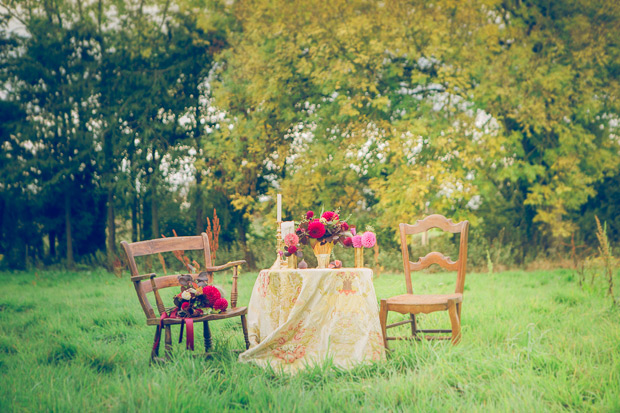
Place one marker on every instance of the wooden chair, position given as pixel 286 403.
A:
pixel 415 304
pixel 148 283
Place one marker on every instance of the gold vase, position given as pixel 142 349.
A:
pixel 292 261
pixel 322 253
pixel 359 257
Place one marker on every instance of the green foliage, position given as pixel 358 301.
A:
pixel 134 119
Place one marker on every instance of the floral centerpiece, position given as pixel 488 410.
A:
pixel 198 298
pixel 322 233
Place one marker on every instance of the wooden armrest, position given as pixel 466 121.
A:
pixel 143 277
pixel 225 266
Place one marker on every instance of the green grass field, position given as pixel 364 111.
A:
pixel 531 342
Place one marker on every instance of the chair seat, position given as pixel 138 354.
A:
pixel 412 303
pixel 231 312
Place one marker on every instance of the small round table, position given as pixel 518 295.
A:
pixel 299 317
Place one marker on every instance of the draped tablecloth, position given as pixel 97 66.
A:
pixel 300 317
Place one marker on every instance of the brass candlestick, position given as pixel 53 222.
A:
pixel 279 244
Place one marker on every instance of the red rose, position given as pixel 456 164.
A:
pixel 292 249
pixel 347 242
pixel 309 214
pixel 185 306
pixel 329 215
pixel 211 293
pixel 220 304
pixel 316 229
pixel 344 226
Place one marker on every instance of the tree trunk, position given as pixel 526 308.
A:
pixel 145 216
pixel 154 213
pixel 69 237
pixel 200 223
pixel 134 218
pixel 111 245
pixel 249 258
pixel 52 239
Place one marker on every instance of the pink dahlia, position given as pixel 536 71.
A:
pixel 330 215
pixel 291 239
pixel 220 304
pixel 369 239
pixel 211 293
pixel 347 242
pixel 316 229
pixel 309 214
pixel 357 241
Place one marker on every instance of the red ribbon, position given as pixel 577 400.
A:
pixel 189 341
pixel 185 321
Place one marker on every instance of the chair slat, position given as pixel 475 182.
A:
pixel 433 221
pixel 155 246
pixel 434 258
pixel 163 282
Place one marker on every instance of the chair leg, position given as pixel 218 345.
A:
pixel 455 321
pixel 168 340
pixel 414 326
pixel 206 333
pixel 458 310
pixel 244 325
pixel 383 312
pixel 155 349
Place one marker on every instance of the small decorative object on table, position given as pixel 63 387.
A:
pixel 292 249
pixel 322 234
pixel 367 240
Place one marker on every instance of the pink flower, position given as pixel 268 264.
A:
pixel 353 230
pixel 369 239
pixel 344 226
pixel 309 214
pixel 329 215
pixel 357 241
pixel 220 304
pixel 211 293
pixel 185 306
pixel 316 229
pixel 292 249
pixel 291 239
pixel 347 242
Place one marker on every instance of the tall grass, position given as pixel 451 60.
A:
pixel 531 342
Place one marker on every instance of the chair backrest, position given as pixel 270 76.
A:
pixel 149 282
pixel 445 224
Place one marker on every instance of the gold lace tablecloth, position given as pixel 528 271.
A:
pixel 301 317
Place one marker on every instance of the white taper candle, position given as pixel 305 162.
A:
pixel 279 219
